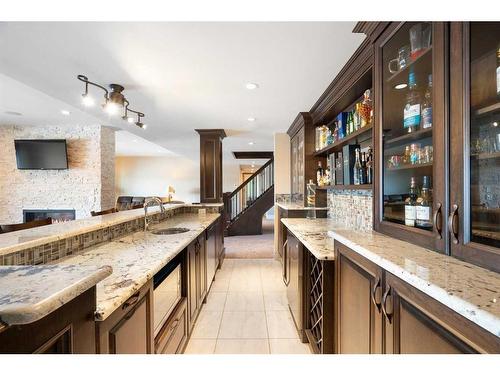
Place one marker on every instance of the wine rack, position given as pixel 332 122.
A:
pixel 319 320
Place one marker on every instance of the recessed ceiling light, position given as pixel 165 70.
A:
pixel 400 86
pixel 134 140
pixel 65 112
pixel 251 119
pixel 251 143
pixel 251 86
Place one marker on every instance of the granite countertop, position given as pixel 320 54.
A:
pixel 28 293
pixel 298 206
pixel 313 233
pixel 23 239
pixel 136 258
pixel 471 291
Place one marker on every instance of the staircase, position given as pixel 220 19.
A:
pixel 245 206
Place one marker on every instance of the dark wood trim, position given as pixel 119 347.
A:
pixel 253 154
pixel 300 121
pixel 372 29
pixel 221 133
pixel 211 165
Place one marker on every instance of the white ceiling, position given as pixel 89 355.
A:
pixel 181 75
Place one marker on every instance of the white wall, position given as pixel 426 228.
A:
pixel 281 163
pixel 230 177
pixel 151 175
pixel 85 186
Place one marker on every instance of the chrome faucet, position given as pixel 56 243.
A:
pixel 151 202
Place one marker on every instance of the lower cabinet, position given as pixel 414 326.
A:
pixel 378 312
pixel 359 310
pixel 197 279
pixel 173 337
pixel 69 329
pixel 129 330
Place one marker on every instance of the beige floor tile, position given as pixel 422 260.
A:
pixel 244 301
pixel 280 325
pixel 220 284
pixel 288 346
pixel 200 346
pixel 275 301
pixel 243 325
pixel 245 346
pixel 207 325
pixel 272 283
pixel 241 283
pixel 215 301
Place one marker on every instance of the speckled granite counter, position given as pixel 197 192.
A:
pixel 471 291
pixel 28 293
pixel 313 233
pixel 19 240
pixel 296 206
pixel 136 258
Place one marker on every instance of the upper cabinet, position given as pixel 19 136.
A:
pixel 410 131
pixel 474 216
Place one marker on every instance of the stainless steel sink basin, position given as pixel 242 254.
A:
pixel 169 231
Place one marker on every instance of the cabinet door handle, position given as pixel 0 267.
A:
pixel 374 292
pixel 175 323
pixel 131 301
pixel 453 224
pixel 384 304
pixel 438 221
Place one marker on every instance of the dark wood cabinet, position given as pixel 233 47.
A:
pixel 359 313
pixel 474 211
pixel 173 336
pixel 211 253
pixel 129 329
pixel 69 329
pixel 197 279
pixel 408 147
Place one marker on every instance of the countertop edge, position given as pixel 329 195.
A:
pixel 482 318
pixel 288 208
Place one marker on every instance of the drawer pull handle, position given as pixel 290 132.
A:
pixel 131 301
pixel 453 224
pixel 387 314
pixel 374 293
pixel 438 221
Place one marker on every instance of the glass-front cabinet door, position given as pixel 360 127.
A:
pixel 410 130
pixel 474 217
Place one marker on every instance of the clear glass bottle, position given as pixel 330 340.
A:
pixel 427 105
pixel 311 200
pixel 410 204
pixel 319 174
pixel 358 169
pixel 411 113
pixel 424 206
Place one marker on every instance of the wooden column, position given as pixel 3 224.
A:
pixel 211 165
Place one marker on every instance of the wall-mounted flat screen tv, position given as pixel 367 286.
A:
pixel 41 154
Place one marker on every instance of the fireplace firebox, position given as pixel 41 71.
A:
pixel 56 215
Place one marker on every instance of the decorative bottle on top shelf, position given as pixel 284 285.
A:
pixel 365 109
pixel 498 70
pixel 319 174
pixel 411 113
pixel 357 116
pixel 410 204
pixel 369 166
pixel 424 205
pixel 358 169
pixel 427 106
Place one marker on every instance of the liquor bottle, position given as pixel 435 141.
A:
pixel 326 177
pixel 369 166
pixel 411 113
pixel 406 155
pixel 410 204
pixel 358 169
pixel 319 174
pixel 427 106
pixel 351 130
pixel 357 116
pixel 424 206
pixel 498 70
pixel 363 169
pixel 366 111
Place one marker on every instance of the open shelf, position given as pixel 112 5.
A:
pixel 488 109
pixel 424 57
pixel 408 137
pixel 409 166
pixel 337 146
pixel 486 155
pixel 345 187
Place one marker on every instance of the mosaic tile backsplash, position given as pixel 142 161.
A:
pixel 352 207
pixel 55 250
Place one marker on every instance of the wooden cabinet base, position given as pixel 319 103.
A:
pixel 69 329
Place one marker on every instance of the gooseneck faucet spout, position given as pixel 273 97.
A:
pixel 153 201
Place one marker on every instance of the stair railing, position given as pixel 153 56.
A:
pixel 249 191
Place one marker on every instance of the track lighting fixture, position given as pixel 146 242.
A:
pixel 114 101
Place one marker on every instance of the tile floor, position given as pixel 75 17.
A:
pixel 246 312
